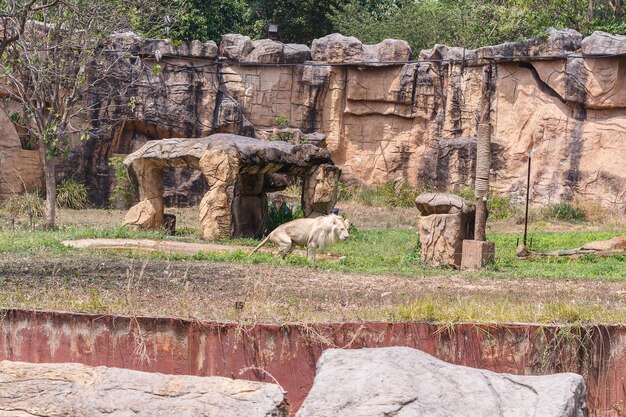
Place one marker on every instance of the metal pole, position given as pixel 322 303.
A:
pixel 530 154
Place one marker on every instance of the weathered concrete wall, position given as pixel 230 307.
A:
pixel 289 353
pixel 383 117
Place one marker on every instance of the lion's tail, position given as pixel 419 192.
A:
pixel 263 242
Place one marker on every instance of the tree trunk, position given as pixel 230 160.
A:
pixel 590 11
pixel 51 191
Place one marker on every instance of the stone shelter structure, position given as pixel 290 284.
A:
pixel 240 171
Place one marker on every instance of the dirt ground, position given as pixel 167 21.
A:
pixel 277 294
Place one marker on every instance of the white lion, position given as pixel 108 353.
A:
pixel 311 233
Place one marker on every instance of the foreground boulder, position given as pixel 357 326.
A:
pixel 70 389
pixel 400 381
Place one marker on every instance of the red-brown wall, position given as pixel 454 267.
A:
pixel 288 353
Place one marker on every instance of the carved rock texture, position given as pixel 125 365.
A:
pixel 69 389
pixel 20 169
pixel 381 121
pixel 446 220
pixel 442 203
pixel 403 382
pixel 441 238
pixel 337 48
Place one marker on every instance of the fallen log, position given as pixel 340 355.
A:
pixel 575 253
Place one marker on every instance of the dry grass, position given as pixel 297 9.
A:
pixel 281 294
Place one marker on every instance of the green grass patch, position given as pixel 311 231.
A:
pixel 369 252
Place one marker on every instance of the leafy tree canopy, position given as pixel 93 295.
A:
pixel 472 23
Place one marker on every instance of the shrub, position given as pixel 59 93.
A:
pixel 499 207
pixel 72 194
pixel 281 121
pixel 122 195
pixel 25 204
pixel 279 214
pixel 565 211
pixel 391 194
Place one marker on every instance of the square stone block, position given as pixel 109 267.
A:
pixel 477 253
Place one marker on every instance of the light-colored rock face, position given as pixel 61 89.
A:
pixel 337 48
pixel 51 390
pixel 234 46
pixel 602 43
pixel 20 169
pixel 415 120
pixel 389 50
pixel 405 382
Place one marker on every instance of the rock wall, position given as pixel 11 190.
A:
pixel 383 117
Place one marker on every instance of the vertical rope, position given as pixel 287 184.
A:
pixel 483 159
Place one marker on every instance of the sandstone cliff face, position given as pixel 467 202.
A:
pixel 383 117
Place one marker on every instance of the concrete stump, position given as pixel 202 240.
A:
pixel 476 253
pixel 446 221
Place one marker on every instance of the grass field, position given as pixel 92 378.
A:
pixel 380 278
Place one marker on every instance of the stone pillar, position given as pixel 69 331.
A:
pixel 220 168
pixel 249 206
pixel 148 213
pixel 446 221
pixel 319 190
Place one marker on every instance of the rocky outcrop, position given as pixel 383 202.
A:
pixel 602 43
pixel 20 169
pixel 383 118
pixel 238 171
pixel 70 389
pixel 446 221
pixel 337 48
pixel 400 381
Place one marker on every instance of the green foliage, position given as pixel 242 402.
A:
pixel 25 204
pixel 187 20
pixel 122 195
pixel 398 194
pixel 281 121
pixel 471 23
pixel 279 214
pixel 72 194
pixel 299 21
pixel 565 211
pixel 499 207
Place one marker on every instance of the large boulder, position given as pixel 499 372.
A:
pixel 336 48
pixel 296 53
pixel 389 50
pixel 235 47
pixel 70 389
pixel 266 51
pixel 403 382
pixel 602 43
